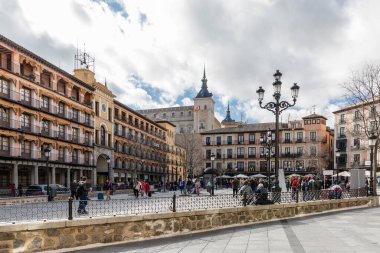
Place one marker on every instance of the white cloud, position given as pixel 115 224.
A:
pixel 314 43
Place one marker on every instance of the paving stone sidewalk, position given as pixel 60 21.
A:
pixel 348 231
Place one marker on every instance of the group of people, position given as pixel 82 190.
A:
pixel 79 190
pixel 253 192
pixel 14 193
pixel 141 187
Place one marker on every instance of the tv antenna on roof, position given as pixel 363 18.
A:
pixel 84 60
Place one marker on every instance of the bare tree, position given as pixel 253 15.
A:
pixel 192 143
pixel 362 93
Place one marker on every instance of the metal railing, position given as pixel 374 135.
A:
pixel 58 210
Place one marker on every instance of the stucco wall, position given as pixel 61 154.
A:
pixel 65 234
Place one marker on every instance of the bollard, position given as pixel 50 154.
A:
pixel 174 199
pixel 70 208
pixel 297 195
pixel 244 199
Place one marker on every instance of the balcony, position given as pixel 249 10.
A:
pixel 287 141
pixel 300 140
pixel 240 156
pixel 251 155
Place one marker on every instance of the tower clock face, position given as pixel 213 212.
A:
pixel 104 107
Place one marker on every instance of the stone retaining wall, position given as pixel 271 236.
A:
pixel 79 232
pixel 23 200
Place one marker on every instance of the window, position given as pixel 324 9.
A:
pixel 356 143
pixel 251 138
pixel 173 115
pixel 240 139
pixel 313 136
pixel 299 151
pixel 287 137
pixel 372 112
pixel 287 150
pixel 97 108
pixel 61 154
pixel 45 102
pixel 4 143
pixel 75 114
pixel 356 115
pixel 356 159
pixel 218 140
pixel 61 87
pixel 110 114
pixel 313 151
pixel 240 152
pixel 240 166
pixel 356 128
pixel 342 132
pixel 25 121
pixel 201 126
pixel 25 95
pixel 61 131
pixel 75 155
pixel 25 149
pixel 229 153
pixel 4 116
pixel 61 109
pixel 299 136
pixel 45 127
pixel 75 133
pixel 189 113
pixel 208 141
pixel 373 126
pixel 87 138
pixel 181 114
pixel 4 86
pixel 229 140
pixel 208 154
pixel 164 115
pixel 251 152
pixel 205 107
pixel 219 153
pixel 75 93
pixel 342 118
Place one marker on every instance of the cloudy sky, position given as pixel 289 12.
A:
pixel 152 53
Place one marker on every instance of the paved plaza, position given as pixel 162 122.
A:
pixel 348 231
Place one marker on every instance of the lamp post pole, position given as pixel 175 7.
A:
pixel 212 173
pixel 109 168
pixel 337 153
pixel 372 183
pixel 277 107
pixel 47 155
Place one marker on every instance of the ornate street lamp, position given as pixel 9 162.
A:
pixel 109 168
pixel 337 154
pixel 47 151
pixel 267 151
pixel 212 157
pixel 277 107
pixel 372 142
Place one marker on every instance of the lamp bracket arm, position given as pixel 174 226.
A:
pixel 283 105
pixel 270 106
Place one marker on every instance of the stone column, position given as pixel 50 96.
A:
pixel 68 177
pixel 35 173
pixel 53 175
pixel 15 175
pixel 94 177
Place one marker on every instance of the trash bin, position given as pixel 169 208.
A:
pixel 100 196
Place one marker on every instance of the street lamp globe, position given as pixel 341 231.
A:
pixel 372 140
pixel 260 92
pixel 212 156
pixel 277 76
pixel 295 89
pixel 108 160
pixel 47 151
pixel 337 153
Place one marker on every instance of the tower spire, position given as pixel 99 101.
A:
pixel 204 93
pixel 228 116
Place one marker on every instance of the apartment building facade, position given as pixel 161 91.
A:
pixel 306 146
pixel 351 139
pixel 42 106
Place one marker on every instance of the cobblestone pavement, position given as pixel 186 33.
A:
pixel 348 231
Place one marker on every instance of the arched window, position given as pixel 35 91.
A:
pixel 102 135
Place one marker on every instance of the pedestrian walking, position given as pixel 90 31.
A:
pixel 197 187
pixel 235 186
pixel 107 189
pixel 82 192
pixel 19 189
pixel 137 188
pixel 147 189
pixel 142 188
pixel 182 186
pixel 73 190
